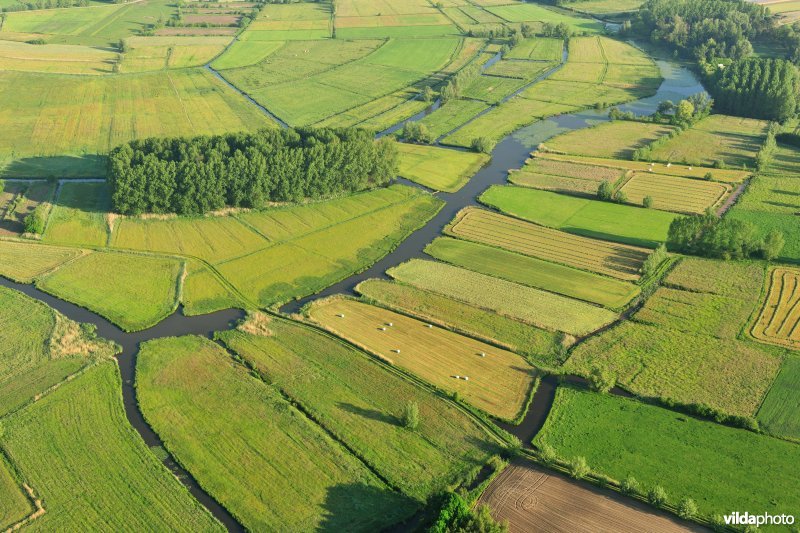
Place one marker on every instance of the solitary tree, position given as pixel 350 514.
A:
pixel 647 202
pixel 483 145
pixel 605 191
pixel 427 94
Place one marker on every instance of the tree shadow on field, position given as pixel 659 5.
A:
pixel 371 414
pixel 66 166
pixel 362 507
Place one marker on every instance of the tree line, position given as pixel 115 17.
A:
pixel 726 238
pixel 757 87
pixel 199 174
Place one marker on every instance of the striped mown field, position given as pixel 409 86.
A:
pixel 671 193
pixel 779 321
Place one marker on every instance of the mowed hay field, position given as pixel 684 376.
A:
pixel 539 308
pixel 247 445
pixel 684 344
pixel 24 262
pixel 79 215
pixel 80 455
pixel 352 396
pixel 487 227
pixel 530 498
pixel 615 139
pixel 438 168
pixel 498 383
pixel 734 141
pixel 591 218
pixel 779 320
pixel 56 59
pixel 78 115
pixel 780 412
pixel 720 468
pixel 14 503
pixel 133 291
pixel 669 193
pixel 533 272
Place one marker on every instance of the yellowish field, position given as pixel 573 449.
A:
pixel 56 59
pixel 366 8
pixel 25 262
pixel 498 383
pixel 438 168
pixel 617 139
pixel 671 193
pixel 779 321
pixel 158 53
pixel 617 260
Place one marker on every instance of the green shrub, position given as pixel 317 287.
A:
pixel 34 222
pixel 647 202
pixel 657 496
pixel 482 145
pixel 411 415
pixel 687 508
pixel 630 486
pixel 579 468
pixel 605 191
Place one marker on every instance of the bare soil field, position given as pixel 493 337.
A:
pixel 534 500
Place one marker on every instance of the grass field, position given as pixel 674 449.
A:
pixel 616 139
pixel 517 336
pixel 363 404
pixel 487 227
pixel 671 193
pixel 533 272
pixel 590 218
pixel 732 140
pixel 605 7
pixel 437 168
pixel 252 468
pixel 133 291
pixel 779 320
pixel 687 457
pixel 18 200
pixel 79 215
pixel 72 115
pixel 780 412
pixel 539 308
pixel 24 262
pixel 245 53
pixel 56 59
pixel 683 344
pixel 499 382
pixel 452 115
pixel 14 504
pixel 76 449
pixel 205 293
pixel 536 13
pixel 158 53
pixel 538 49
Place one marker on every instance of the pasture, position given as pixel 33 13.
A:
pixel 56 59
pixel 532 272
pixel 684 343
pixel 779 414
pixel 538 49
pixel 534 306
pixel 217 440
pixel 76 449
pixel 245 53
pixel 437 168
pixel 158 53
pixel 733 141
pixel 498 382
pixel 133 291
pixel 615 139
pixel 14 503
pixel 779 320
pixel 687 457
pixel 363 403
pixel 605 7
pixel 79 215
pixel 536 13
pixel 486 227
pixel 204 293
pixel 671 193
pixel 24 262
pixel 452 115
pixel 580 216
pixel 519 337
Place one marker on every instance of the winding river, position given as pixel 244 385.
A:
pixel 510 153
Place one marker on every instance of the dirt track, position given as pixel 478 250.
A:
pixel 532 499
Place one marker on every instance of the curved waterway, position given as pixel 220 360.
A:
pixel 510 153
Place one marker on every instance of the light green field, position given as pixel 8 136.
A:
pixel 437 168
pixel 452 115
pixel 162 52
pixel 687 457
pixel 684 343
pixel 780 412
pixel 205 407
pixel 497 383
pixel 133 291
pixel 537 13
pixel 518 336
pixel 14 504
pixel 590 218
pixel 616 139
pixel 79 215
pixel 362 403
pixel 537 48
pixel 76 449
pixel 539 308
pixel 605 7
pixel 245 53
pixel 24 262
pixel 533 272
pixel 205 293
pixel 492 89
pixel 55 59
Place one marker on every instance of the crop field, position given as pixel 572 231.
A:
pixel 245 53
pixel 104 477
pixel 20 199
pixel 486 227
pixel 24 262
pixel 560 184
pixel 517 336
pixel 572 169
pixel 77 115
pixel 529 498
pixel 229 455
pixel 157 53
pixel 498 383
pixel 537 13
pixel 538 49
pixel 133 291
pixel 205 293
pixel 492 89
pixel 524 70
pixel 779 321
pixel 580 216
pixel 605 7
pixel 620 437
pixel 55 59
pixel 780 412
pixel 732 140
pixel 683 344
pixel 537 307
pixel 533 272
pixel 437 168
pixel 362 403
pixel 79 215
pixel 563 176
pixel 301 21
pixel 452 115
pixel 616 139
pixel 671 193
pixel 14 504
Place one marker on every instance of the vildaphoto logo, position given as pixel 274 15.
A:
pixel 764 519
